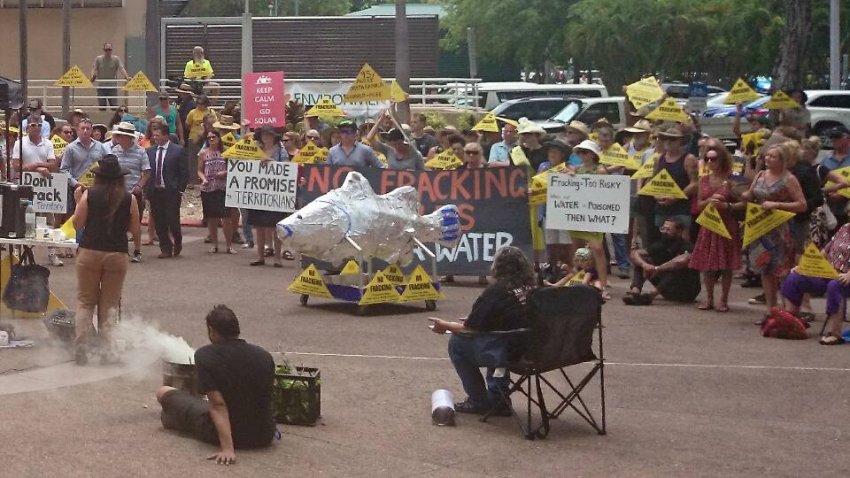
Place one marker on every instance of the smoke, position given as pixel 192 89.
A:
pixel 133 336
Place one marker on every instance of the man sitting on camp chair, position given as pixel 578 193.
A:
pixel 476 343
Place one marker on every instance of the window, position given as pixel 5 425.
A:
pixel 831 101
pixel 595 112
pixel 517 110
pixel 547 109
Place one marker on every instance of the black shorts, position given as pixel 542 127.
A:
pixel 189 414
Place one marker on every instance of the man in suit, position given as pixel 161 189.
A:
pixel 168 177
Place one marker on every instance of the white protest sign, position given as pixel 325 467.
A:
pixel 50 193
pixel 310 92
pixel 262 185
pixel 588 202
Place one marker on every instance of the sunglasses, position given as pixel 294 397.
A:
pixel 347 131
pixel 312 137
pixel 67 131
pixel 34 124
pixel 471 152
pixel 212 136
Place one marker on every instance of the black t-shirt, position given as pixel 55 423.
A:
pixel 244 374
pixel 498 308
pixel 536 157
pixel 662 251
pixel 807 176
pixel 425 143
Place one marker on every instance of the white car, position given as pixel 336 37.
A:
pixel 829 108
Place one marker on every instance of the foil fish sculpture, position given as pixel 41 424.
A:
pixel 384 226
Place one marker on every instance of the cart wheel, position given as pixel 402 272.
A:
pixel 430 305
pixel 361 309
pixel 304 298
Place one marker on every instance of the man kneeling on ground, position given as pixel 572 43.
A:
pixel 665 264
pixel 237 378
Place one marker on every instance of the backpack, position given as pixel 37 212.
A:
pixel 783 325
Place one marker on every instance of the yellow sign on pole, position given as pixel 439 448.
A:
pixel 419 287
pixel 487 124
pixel 59 145
pixel 368 86
pixel 616 156
pixel 644 92
pixel 711 220
pixel 445 160
pixel 668 111
pixel 397 95
pixel 140 82
pixel 310 282
pixel 741 92
pixel 662 184
pixel 244 149
pixel 325 108
pixel 310 154
pixel 781 101
pixel 379 290
pixel 74 77
pixel 759 221
pixel 647 169
pixel 814 264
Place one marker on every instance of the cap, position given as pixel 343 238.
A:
pixel 838 132
pixel 395 134
pixel 347 124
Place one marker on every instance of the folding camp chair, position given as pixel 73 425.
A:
pixel 562 322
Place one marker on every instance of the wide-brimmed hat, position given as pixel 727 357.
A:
pixel 225 122
pixel 641 126
pixel 109 167
pixel 589 145
pixel 102 127
pixel 527 126
pixel 559 144
pixel 671 133
pixel 578 126
pixel 640 112
pixel 185 88
pixel 77 111
pixel 126 128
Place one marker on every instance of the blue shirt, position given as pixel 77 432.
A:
pixel 360 156
pixel 78 159
pixel 501 152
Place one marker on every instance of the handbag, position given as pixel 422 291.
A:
pixel 28 289
pixel 821 224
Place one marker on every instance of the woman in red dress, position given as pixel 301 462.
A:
pixel 715 255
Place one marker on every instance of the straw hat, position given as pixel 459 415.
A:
pixel 125 128
pixel 578 126
pixel 671 133
pixel 102 127
pixel 641 126
pixel 559 144
pixel 226 122
pixel 526 126
pixel 185 88
pixel 588 145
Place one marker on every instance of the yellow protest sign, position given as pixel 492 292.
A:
pixel 781 101
pixel 310 282
pixel 87 179
pixel 668 111
pixel 394 274
pixel 741 92
pixel 445 160
pixel 662 184
pixel 759 221
pixel 419 287
pixel 576 279
pixel 397 95
pixel 379 290
pixel 68 228
pixel 519 158
pixel 244 149
pixel 139 82
pixel 325 108
pixel 368 86
pixel 814 264
pixel 845 173
pixel 488 123
pixel 644 92
pixel 647 169
pixel 711 220
pixel 74 77
pixel 539 188
pixel 310 154
pixel 752 140
pixel 59 145
pixel 351 268
pixel 615 155
pixel 228 140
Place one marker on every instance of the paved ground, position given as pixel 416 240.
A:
pixel 689 393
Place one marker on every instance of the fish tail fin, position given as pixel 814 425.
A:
pixel 449 222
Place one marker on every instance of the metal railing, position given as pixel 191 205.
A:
pixel 84 98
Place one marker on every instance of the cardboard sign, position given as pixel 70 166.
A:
pixel 264 101
pixel 845 173
pixel 194 69
pixel 368 86
pixel 647 169
pixel 814 264
pixel 661 185
pixel 394 274
pixel 445 161
pixel 644 92
pixel 263 185
pixel 59 145
pixel 87 179
pixel 397 95
pixel 379 290
pixel 519 158
pixel 50 193
pixel 752 139
pixel 616 156
pixel 668 111
pixel 711 220
pixel 140 82
pixel 244 149
pixel 310 282
pixel 537 192
pixel 74 77
pixel 351 268
pixel 588 202
pixel 311 153
pixel 488 124
pixel 228 140
pixel 325 108
pixel 741 92
pixel 759 221
pixel 781 101
pixel 419 287
pixel 576 279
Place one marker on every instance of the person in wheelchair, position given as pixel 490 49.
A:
pixel 476 341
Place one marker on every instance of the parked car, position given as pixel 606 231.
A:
pixel 588 111
pixel 535 109
pixel 829 108
pixel 491 94
pixel 754 107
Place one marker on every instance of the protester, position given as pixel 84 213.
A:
pixel 185 104
pixel 104 72
pixel 292 143
pixel 165 190
pixel 500 153
pixel 98 132
pixel 264 222
pixel 501 306
pixel 198 62
pixel 665 264
pixel 169 113
pixel 399 153
pixel 530 136
pixel 350 152
pixel 237 378
pixel 713 254
pixel 558 243
pixel 195 139
pixel 575 132
pixel 422 140
pixel 330 137
pixel 840 158
pixel 134 160
pixel 799 118
pixel 118 116
pixel 81 154
pixel 589 151
pixel 684 170
pixel 74 117
pixel 313 136
pixel 442 141
pixel 471 136
pixel 45 119
pixel 107 212
pixel 605 134
pixel 212 170
pixel 66 132
pixel 584 272
pixel 772 255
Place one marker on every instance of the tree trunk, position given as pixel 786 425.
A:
pixel 796 34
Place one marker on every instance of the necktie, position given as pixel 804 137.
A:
pixel 159 182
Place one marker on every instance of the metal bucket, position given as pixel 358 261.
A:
pixel 180 376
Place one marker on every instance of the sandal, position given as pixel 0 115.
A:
pixel 708 306
pixel 605 296
pixel 830 340
pixel 288 256
pixel 806 316
pixel 213 250
pixel 231 250
pixel 258 262
pixel 722 308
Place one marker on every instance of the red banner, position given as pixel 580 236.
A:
pixel 264 103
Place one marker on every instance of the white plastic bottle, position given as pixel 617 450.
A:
pixel 29 219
